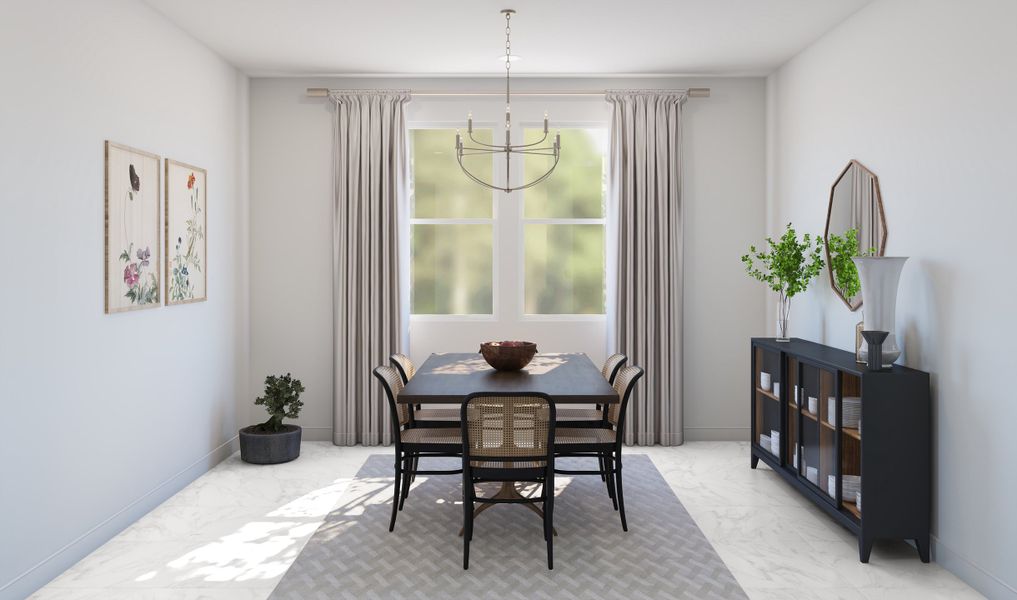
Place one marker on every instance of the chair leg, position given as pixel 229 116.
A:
pixel 467 519
pixel 610 481
pixel 543 498
pixel 395 499
pixel 621 493
pixel 416 466
pixel 605 476
pixel 549 520
pixel 407 471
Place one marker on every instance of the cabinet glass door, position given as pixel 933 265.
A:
pixel 766 400
pixel 792 454
pixel 850 421
pixel 817 463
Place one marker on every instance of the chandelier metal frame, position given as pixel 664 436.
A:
pixel 481 148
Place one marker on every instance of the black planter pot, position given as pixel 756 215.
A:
pixel 269 448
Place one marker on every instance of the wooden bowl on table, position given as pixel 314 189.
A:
pixel 508 356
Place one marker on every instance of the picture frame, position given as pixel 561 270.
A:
pixel 186 229
pixel 131 229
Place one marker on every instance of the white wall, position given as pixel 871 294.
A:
pixel 106 416
pixel 922 92
pixel 291 238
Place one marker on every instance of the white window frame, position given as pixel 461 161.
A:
pixel 492 221
pixel 521 235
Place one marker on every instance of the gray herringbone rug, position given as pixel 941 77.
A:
pixel 663 555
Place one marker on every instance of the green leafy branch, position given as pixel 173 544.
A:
pixel 787 266
pixel 845 274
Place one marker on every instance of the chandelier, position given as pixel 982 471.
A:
pixel 480 148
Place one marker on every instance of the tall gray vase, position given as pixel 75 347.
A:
pixel 880 276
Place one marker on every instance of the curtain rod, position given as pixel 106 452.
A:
pixel 692 92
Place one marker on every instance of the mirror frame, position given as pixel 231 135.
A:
pixel 826 234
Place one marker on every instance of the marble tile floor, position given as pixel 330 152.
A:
pixel 233 532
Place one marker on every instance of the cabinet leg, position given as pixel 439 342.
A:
pixel 922 544
pixel 864 548
pixel 755 460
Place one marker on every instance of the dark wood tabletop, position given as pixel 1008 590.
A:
pixel 567 378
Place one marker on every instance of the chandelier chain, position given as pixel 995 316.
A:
pixel 478 148
pixel 508 54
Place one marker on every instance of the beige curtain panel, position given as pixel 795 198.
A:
pixel 646 295
pixel 369 183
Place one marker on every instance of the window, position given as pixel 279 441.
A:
pixel 563 226
pixel 551 236
pixel 451 228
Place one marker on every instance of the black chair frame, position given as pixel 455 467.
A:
pixel 609 455
pixel 407 455
pixel 540 475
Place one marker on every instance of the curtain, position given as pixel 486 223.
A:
pixel 369 195
pixel 645 284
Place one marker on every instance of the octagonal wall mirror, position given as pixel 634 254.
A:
pixel 855 204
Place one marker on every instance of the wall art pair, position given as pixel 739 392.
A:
pixel 134 258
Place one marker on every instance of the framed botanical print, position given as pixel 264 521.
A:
pixel 186 223
pixel 132 257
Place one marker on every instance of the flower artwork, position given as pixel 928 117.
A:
pixel 132 229
pixel 142 283
pixel 185 233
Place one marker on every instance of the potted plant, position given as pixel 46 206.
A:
pixel 788 267
pixel 272 442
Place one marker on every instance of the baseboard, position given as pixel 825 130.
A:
pixel 717 434
pixel 986 583
pixel 316 434
pixel 64 558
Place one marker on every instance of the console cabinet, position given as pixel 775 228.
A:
pixel 857 443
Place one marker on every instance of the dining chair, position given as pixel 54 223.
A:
pixel 412 442
pixel 592 417
pixel 424 417
pixel 604 443
pixel 508 438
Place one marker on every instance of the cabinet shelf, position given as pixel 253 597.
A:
pixel 769 395
pixel 852 433
pixel 851 508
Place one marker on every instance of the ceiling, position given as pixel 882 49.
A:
pixel 465 37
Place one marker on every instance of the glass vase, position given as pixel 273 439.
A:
pixel 783 312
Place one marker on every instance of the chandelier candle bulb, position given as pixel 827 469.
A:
pixel 469 123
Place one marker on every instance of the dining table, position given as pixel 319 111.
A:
pixel 447 378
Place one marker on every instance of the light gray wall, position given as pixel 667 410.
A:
pixel 106 416
pixel 922 92
pixel 291 236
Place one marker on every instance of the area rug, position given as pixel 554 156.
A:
pixel 663 555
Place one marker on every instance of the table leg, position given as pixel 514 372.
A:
pixel 508 492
